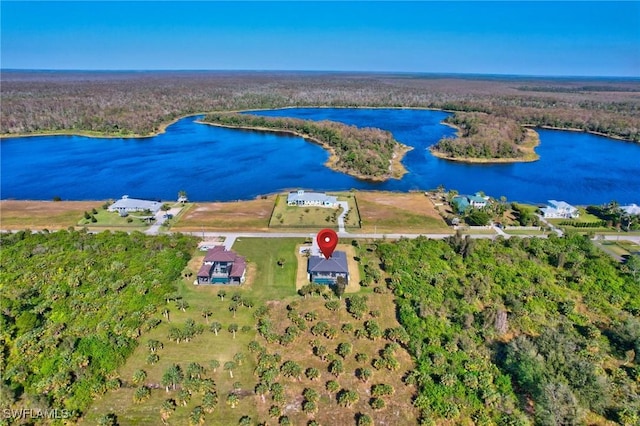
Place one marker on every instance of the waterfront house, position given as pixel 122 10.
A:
pixel 327 271
pixel 301 198
pixel 463 202
pixel 127 205
pixel 222 266
pixel 559 210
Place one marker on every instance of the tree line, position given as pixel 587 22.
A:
pixel 136 104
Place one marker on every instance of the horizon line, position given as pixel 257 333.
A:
pixel 239 70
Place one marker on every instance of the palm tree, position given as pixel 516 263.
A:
pixel 154 345
pixel 214 364
pixel 238 358
pixel 139 376
pixel 232 400
pixel 182 305
pixel 230 366
pixel 233 328
pixel 215 327
pixel 196 417
pixel 206 313
pixel 347 398
pixel 172 376
pixel 195 370
pixel 167 409
pixel 233 307
pixel 184 397
pixel 222 294
pixel 141 394
pixel 209 401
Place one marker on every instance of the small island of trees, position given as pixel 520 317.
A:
pixel 365 153
pixel 486 138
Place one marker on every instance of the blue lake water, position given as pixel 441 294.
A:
pixel 213 163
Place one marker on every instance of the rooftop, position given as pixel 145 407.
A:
pixel 296 196
pixel 336 263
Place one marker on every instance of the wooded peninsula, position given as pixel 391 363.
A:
pixel 365 153
pixel 483 138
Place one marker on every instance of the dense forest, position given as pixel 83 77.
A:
pixel 517 330
pixel 125 103
pixel 483 136
pixel 367 153
pixel 73 306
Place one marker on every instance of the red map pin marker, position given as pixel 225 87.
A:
pixel 327 240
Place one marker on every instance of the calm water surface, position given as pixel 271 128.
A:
pixel 213 163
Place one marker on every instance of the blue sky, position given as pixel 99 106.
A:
pixel 536 38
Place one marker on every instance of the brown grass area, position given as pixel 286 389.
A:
pixel 386 212
pixel 398 409
pixel 354 271
pixel 252 215
pixel 16 214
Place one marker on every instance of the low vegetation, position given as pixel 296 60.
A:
pixel 74 305
pixel 366 153
pixel 518 330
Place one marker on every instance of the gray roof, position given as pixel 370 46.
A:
pixel 336 263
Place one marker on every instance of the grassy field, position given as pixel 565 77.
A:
pixel 252 215
pixel 43 214
pixel 391 212
pixel 107 219
pixel 311 218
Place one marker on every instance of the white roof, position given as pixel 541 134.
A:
pixel 631 209
pixel 311 197
pixel 561 205
pixel 135 203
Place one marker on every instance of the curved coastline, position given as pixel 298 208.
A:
pixel 164 125
pixel 396 168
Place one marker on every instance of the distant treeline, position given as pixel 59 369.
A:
pixel 140 103
pixel 361 152
pixel 482 136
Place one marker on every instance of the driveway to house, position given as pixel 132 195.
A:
pixel 160 219
pixel 553 228
pixel 345 210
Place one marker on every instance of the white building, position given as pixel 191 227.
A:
pixel 314 199
pixel 127 205
pixel 559 210
pixel 631 209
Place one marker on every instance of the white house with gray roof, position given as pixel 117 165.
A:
pixel 301 198
pixel 128 205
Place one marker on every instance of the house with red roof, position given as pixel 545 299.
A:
pixel 222 266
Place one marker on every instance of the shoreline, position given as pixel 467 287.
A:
pixel 396 168
pixel 164 125
pixel 532 140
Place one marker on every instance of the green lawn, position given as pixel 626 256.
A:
pixel 107 218
pixel 285 216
